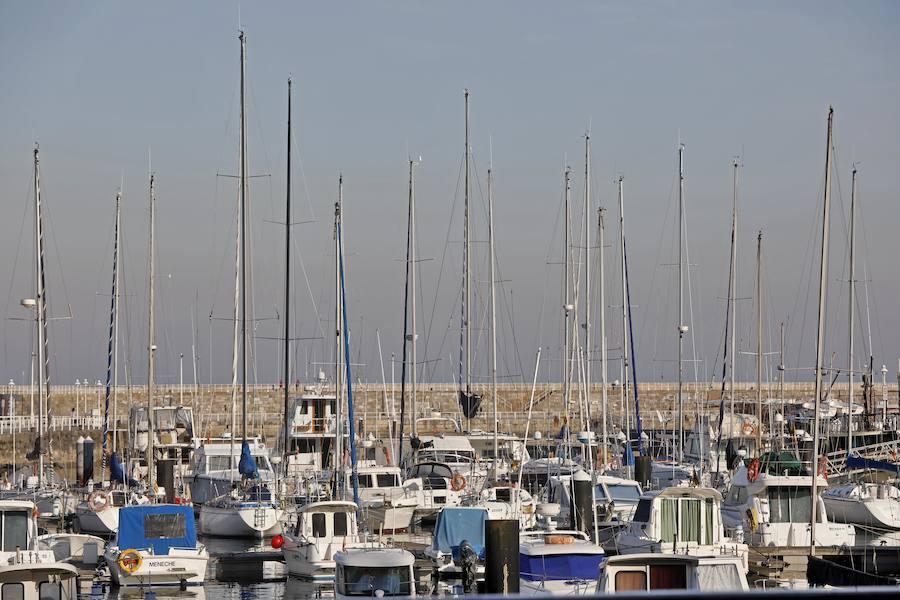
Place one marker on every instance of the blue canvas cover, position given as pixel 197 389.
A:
pixel 559 567
pixel 157 526
pixel 247 466
pixel 858 462
pixel 455 525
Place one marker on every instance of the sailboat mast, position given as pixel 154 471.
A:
pixel 468 259
pixel 111 346
pixel 490 187
pixel 850 315
pixel 39 307
pixel 682 328
pixel 151 344
pixel 338 342
pixel 412 281
pixel 624 388
pixel 603 371
pixel 567 306
pixel 287 284
pixel 820 333
pixel 243 184
pixel 587 276
pixel 732 293
pixel 781 387
pixel 759 356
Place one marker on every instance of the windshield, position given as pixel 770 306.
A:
pixel 624 492
pixel 364 581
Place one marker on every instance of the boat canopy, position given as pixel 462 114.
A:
pixel 559 567
pixel 456 525
pixel 157 526
pixel 781 463
pixel 858 462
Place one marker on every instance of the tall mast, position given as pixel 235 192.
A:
pixel 820 333
pixel 111 346
pixel 243 184
pixel 287 282
pixel 603 371
pixel 624 389
pixel 468 260
pixel 759 356
pixel 338 342
pixel 151 344
pixel 490 186
pixel 732 292
pixel 412 281
pixel 682 328
pixel 587 276
pixel 850 314
pixel 781 387
pixel 39 309
pixel 567 304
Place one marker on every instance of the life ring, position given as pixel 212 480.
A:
pixel 747 429
pixel 130 560
pixel 458 483
pixel 753 470
pixel 98 500
pixel 823 467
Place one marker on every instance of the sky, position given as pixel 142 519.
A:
pixel 110 90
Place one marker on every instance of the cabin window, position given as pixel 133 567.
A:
pixel 388 480
pixel 668 577
pixel 365 480
pixel 599 494
pixel 160 527
pixel 340 523
pixel 642 514
pixel 50 591
pixel 218 463
pixel 789 504
pixel 304 446
pixel 690 520
pixel 708 508
pixel 363 581
pixel 13 591
pixel 668 519
pixel 14 530
pixel 318 525
pixel 631 581
pixel 719 577
pixel 737 495
pixel 504 494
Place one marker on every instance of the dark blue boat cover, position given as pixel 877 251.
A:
pixel 857 462
pixel 247 466
pixel 157 526
pixel 560 567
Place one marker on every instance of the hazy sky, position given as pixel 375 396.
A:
pixel 104 85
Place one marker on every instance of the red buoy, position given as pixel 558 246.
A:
pixel 278 541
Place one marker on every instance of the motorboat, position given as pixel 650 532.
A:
pixel 374 573
pixel 649 572
pixel 679 520
pixel 156 545
pixel 458 538
pixel 322 529
pixel 770 501
pixel 558 562
pixel 27 571
pixel 98 514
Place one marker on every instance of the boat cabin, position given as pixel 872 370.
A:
pixel 647 572
pixel 156 528
pixel 374 573
pixel 376 483
pixel 323 521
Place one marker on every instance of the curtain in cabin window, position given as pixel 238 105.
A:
pixel 708 508
pixel 690 520
pixel 667 520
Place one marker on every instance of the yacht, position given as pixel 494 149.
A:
pixel 214 467
pixel 173 438
pixel 248 511
pixel 868 505
pixel 27 571
pixel 770 502
pixel 558 562
pixel 679 520
pixel 374 573
pixel 156 545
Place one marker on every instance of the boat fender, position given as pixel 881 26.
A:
pixel 559 539
pixel 514 466
pixel 823 467
pixel 753 470
pixel 753 518
pixel 98 500
pixel 458 483
pixel 130 560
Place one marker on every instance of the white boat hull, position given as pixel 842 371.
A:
pixel 382 518
pixel 878 513
pixel 240 522
pixel 181 566
pixel 104 523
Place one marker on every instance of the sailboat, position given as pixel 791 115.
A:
pixel 248 509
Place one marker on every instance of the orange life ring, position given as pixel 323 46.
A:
pixel 823 467
pixel 458 483
pixel 753 470
pixel 559 539
pixel 747 429
pixel 130 561
pixel 98 500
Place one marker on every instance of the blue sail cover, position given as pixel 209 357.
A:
pixel 455 525
pixel 156 526
pixel 559 567
pixel 116 470
pixel 857 462
pixel 247 466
